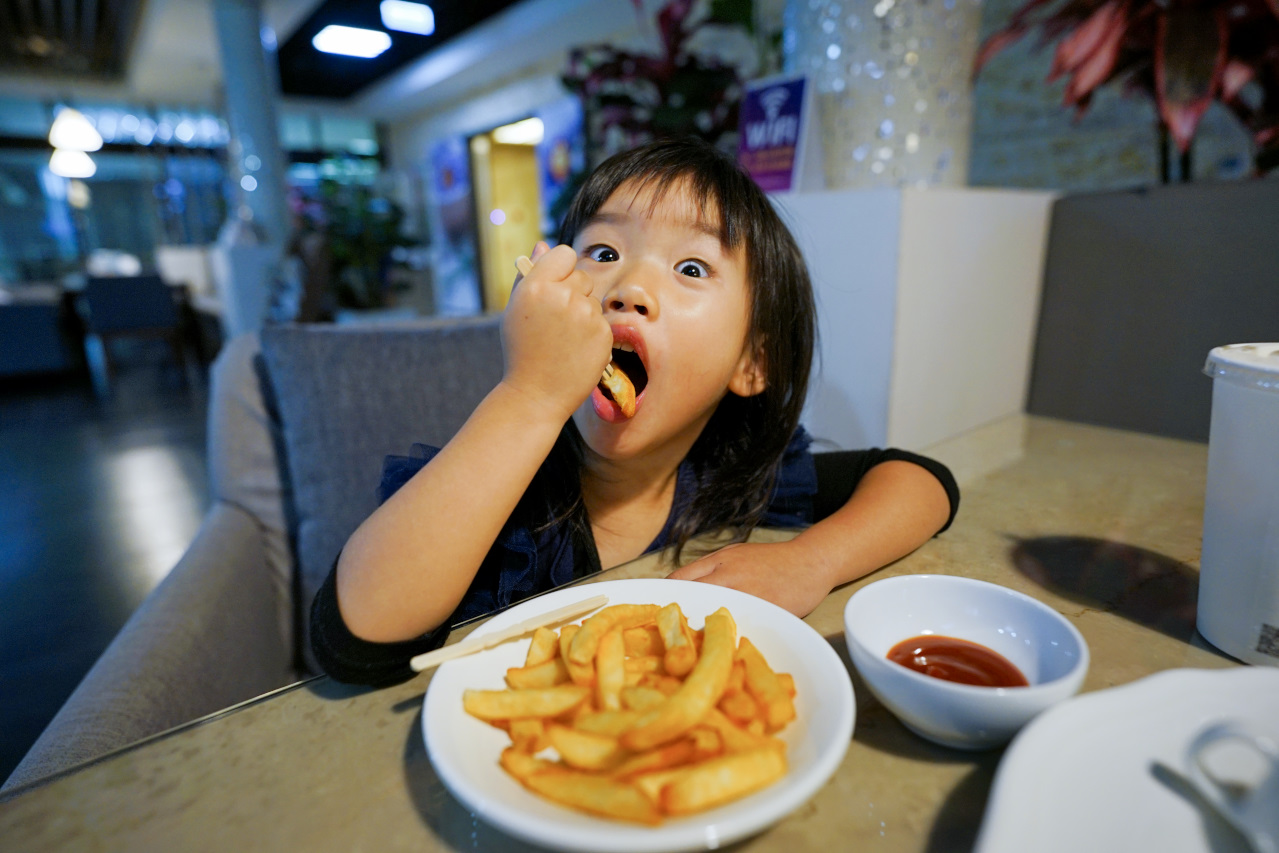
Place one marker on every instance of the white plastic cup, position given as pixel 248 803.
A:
pixel 1239 568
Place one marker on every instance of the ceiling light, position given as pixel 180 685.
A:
pixel 351 41
pixel 72 164
pixel 527 132
pixel 72 131
pixel 408 17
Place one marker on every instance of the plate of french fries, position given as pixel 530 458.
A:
pixel 679 716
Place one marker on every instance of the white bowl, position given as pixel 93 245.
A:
pixel 1038 640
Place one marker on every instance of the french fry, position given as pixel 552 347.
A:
pixel 719 780
pixel 521 765
pixel 643 641
pixel 583 674
pixel 766 687
pixel 544 646
pixel 678 641
pixel 699 693
pixel 611 723
pixel 517 704
pixel 546 674
pixel 736 678
pixel 736 738
pixel 651 784
pixel 529 735
pixel 594 794
pixel 610 671
pixel 583 750
pixel 585 642
pixel 707 743
pixel 642 698
pixel 671 755
pixel 635 741
pixel 645 664
pixel 739 706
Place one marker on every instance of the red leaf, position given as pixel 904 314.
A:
pixel 1098 66
pixel 1088 38
pixel 998 42
pixel 1190 57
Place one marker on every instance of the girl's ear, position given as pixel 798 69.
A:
pixel 750 377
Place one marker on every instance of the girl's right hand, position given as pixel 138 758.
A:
pixel 555 340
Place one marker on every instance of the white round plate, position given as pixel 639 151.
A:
pixel 1083 775
pixel 465 750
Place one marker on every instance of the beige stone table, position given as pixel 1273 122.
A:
pixel 1103 526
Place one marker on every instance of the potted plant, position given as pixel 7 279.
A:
pixel 1184 54
pixel 631 97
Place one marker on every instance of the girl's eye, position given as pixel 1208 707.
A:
pixel 693 269
pixel 603 254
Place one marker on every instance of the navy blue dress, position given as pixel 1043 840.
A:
pixel 526 560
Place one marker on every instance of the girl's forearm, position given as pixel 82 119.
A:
pixel 406 568
pixel 896 507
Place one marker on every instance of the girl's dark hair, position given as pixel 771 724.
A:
pixel 737 456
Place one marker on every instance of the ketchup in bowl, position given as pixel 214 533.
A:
pixel 952 659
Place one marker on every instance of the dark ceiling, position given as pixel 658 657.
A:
pixel 306 71
pixel 74 37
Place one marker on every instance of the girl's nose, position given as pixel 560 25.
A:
pixel 631 296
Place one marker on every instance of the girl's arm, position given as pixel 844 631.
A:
pixel 896 507
pixel 406 568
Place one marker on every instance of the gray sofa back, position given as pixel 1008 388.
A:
pixel 348 396
pixel 1138 286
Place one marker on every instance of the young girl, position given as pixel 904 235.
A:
pixel 676 271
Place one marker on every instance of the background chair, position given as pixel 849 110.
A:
pixel 299 423
pixel 136 306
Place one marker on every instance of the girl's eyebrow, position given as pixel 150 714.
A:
pixel 698 225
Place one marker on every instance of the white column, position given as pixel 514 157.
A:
pixel 250 78
pixel 893 86
pixel 251 242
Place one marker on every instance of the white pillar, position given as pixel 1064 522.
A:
pixel 258 221
pixel 893 83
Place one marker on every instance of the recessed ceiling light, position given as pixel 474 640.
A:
pixel 408 17
pixel 527 132
pixel 351 41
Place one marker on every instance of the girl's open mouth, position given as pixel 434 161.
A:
pixel 617 395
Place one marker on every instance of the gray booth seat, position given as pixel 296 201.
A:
pixel 1138 287
pixel 299 424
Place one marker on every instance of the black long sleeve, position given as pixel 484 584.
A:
pixel 839 473
pixel 350 659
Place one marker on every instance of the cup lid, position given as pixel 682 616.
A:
pixel 1253 365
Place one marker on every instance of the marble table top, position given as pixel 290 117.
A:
pixel 1104 526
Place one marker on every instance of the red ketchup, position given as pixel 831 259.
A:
pixel 952 659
